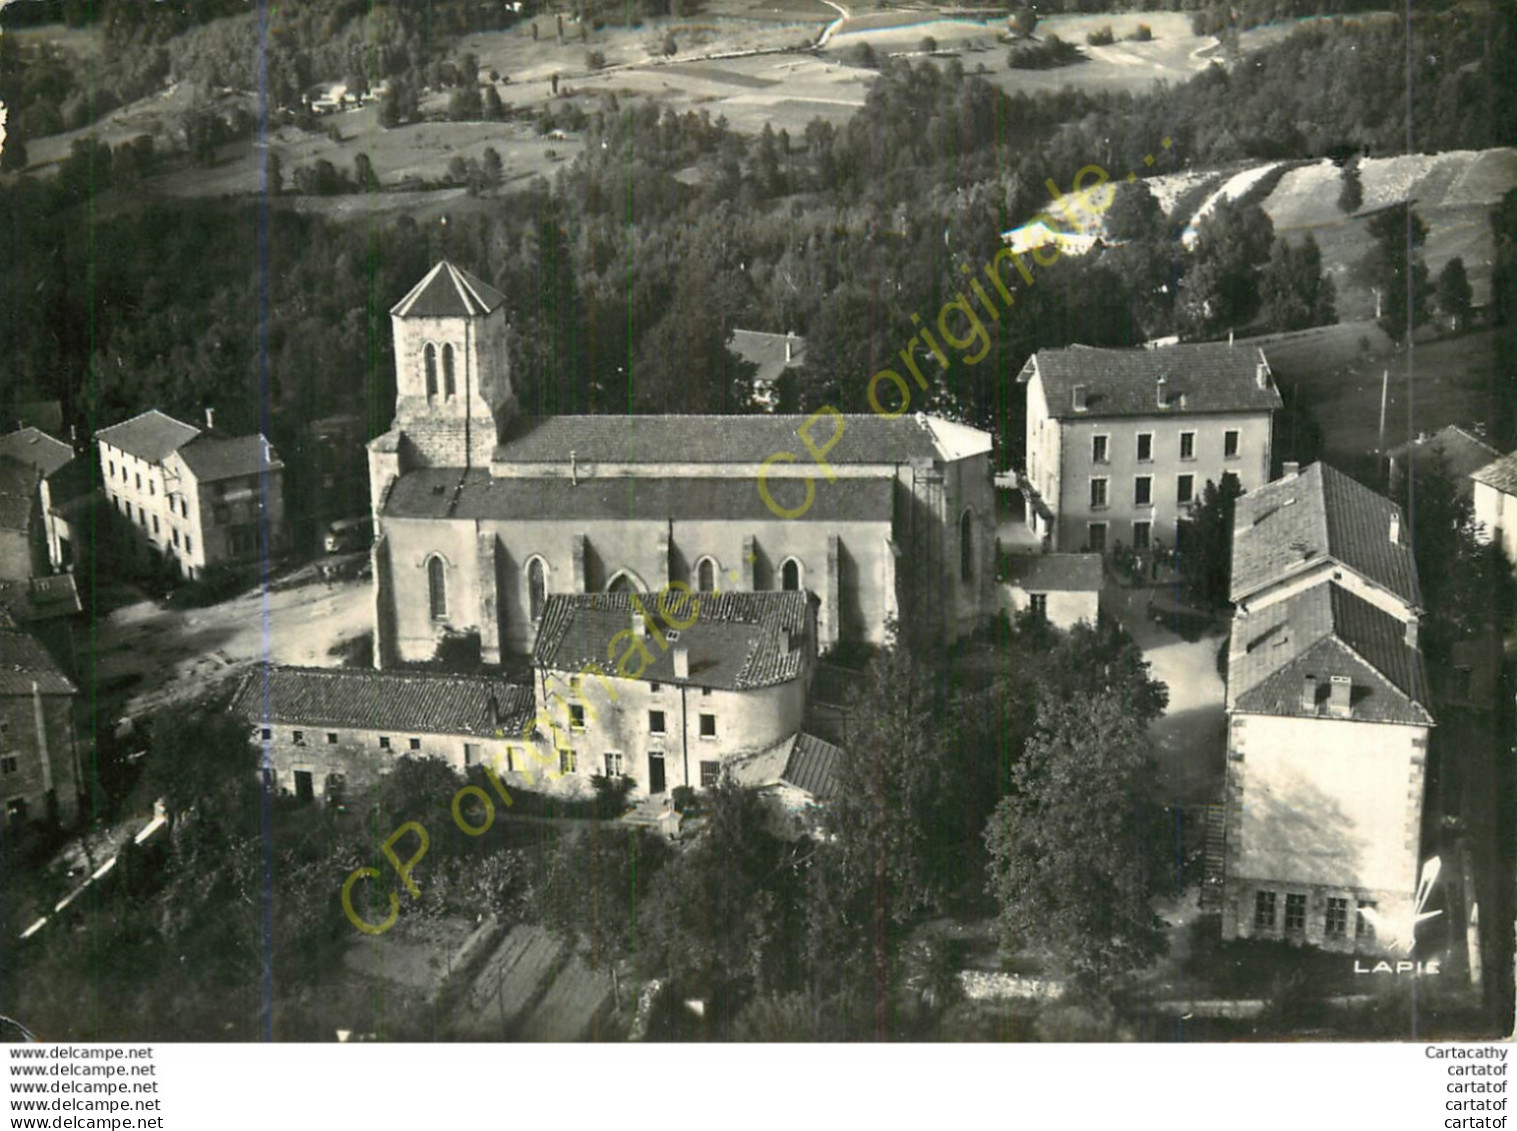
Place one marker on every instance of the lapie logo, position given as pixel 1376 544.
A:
pixel 1401 931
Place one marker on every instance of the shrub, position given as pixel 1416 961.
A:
pixel 671 45
pixel 928 45
pixel 864 56
pixel 595 60
pixel 1141 34
pixel 1052 52
pixel 1101 37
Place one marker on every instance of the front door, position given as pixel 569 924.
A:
pixel 304 790
pixel 655 773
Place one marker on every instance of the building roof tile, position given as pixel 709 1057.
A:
pixel 771 354
pixel 860 439
pixel 18 493
pixel 1198 378
pixel 150 436
pixel 1295 523
pixel 436 493
pixel 814 767
pixel 736 641
pixel 1500 474
pixel 1462 454
pixel 35 447
pixel 212 456
pixel 1322 632
pixel 25 664
pixel 448 292
pixel 400 701
pixel 1053 573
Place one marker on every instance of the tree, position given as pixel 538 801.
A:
pixel 495 110
pixel 363 173
pixel 1454 294
pixel 1395 270
pixel 200 758
pixel 595 883
pixel 13 154
pixel 1134 213
pixel 1295 292
pixel 398 104
pixel 1024 18
pixel 466 103
pixel 1221 290
pixel 493 167
pixel 273 174
pixel 1206 556
pixel 1071 846
pixel 1351 195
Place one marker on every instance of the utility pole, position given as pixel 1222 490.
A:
pixel 1385 383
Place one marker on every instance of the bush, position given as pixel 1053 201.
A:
pixel 1141 34
pixel 928 45
pixel 611 795
pixel 671 45
pixel 1045 56
pixel 1101 37
pixel 595 60
pixel 863 56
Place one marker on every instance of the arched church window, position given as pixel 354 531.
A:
pixel 448 387
pixel 705 576
pixel 537 587
pixel 966 546
pixel 790 575
pixel 437 588
pixel 621 583
pixel 429 355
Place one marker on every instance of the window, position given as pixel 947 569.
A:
pixel 708 726
pixel 298 737
pixel 471 754
pixel 1230 444
pixel 613 764
pixel 139 481
pixel 415 744
pixel 1295 912
pixel 705 576
pixel 1038 604
pixel 265 733
pixel 429 356
pixel 1099 451
pixel 176 536
pixel 790 575
pixel 141 515
pixel 511 759
pixel 567 763
pixel 155 524
pixel 1097 493
pixel 384 742
pixel 653 687
pixel 711 773
pixel 1185 489
pixel 966 546
pixel 1264 911
pixel 1335 926
pixel 448 388
pixel 113 469
pixel 1364 928
pixel 1145 447
pixel 576 716
pixel 1143 491
pixel 1187 445
pixel 331 738
pixel 1142 532
pixel 655 722
pixel 184 508
pixel 189 544
pixel 537 587
pixel 437 588
pixel 1096 537
pixel 9 764
pixel 152 488
pixel 705 691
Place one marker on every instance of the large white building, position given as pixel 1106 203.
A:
pixel 1328 711
pixel 1121 442
pixel 192 498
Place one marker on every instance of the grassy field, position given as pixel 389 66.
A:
pixel 1433 384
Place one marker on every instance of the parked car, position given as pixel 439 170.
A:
pixel 349 534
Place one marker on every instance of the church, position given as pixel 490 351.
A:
pixel 482 514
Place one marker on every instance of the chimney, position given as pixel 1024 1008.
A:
pixel 1395 530
pixel 1080 403
pixel 210 420
pixel 682 661
pixel 1338 697
pixel 639 624
pixel 789 348
pixel 1309 694
pixel 1163 400
pixel 1291 469
pixel 1411 633
pixel 1261 375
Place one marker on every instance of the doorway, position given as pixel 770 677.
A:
pixel 656 773
pixel 304 790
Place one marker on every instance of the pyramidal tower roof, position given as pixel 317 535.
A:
pixel 448 292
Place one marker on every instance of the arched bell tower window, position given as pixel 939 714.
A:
pixel 429 356
pixel 622 583
pixel 437 587
pixel 705 575
pixel 537 587
pixel 449 389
